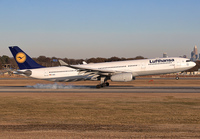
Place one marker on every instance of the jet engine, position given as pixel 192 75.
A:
pixel 122 77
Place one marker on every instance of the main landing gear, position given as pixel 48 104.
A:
pixel 103 83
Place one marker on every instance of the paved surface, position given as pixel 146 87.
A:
pixel 92 89
pixel 137 78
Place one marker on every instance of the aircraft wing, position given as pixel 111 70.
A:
pixel 89 70
pixel 94 73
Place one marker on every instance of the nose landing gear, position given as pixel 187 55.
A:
pixel 177 78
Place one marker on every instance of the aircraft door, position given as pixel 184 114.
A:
pixel 143 66
pixel 177 64
pixel 46 73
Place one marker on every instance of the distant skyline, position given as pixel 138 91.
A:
pixel 106 28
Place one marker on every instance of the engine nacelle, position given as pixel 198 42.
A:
pixel 122 77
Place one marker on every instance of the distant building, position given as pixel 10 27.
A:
pixel 184 56
pixel 194 54
pixel 165 55
pixel 195 50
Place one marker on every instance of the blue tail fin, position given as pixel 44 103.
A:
pixel 22 59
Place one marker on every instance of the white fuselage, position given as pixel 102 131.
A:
pixel 136 67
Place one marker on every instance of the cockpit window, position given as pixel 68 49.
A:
pixel 187 60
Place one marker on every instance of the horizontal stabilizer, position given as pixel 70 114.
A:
pixel 27 72
pixel 84 63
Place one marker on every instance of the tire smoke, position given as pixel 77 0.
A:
pixel 56 86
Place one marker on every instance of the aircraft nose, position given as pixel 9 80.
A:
pixel 193 64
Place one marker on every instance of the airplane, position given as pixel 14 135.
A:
pixel 119 71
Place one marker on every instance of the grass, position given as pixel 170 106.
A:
pixel 93 114
pixel 100 115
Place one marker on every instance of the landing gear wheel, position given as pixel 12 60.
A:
pixel 103 84
pixel 98 86
pixel 177 78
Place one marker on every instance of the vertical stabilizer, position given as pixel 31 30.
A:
pixel 22 59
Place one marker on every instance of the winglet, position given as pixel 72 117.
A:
pixel 62 63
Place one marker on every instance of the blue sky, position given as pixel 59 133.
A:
pixel 100 28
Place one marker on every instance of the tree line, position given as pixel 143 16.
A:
pixel 53 61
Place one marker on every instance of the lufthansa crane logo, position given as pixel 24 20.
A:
pixel 20 57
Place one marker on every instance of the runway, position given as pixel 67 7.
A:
pixel 92 89
pixel 141 85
